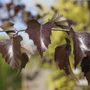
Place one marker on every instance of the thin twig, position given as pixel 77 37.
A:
pixel 59 29
pixel 13 30
pixel 19 31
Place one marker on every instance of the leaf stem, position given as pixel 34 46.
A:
pixel 60 29
pixel 13 30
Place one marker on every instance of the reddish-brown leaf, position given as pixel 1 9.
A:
pixel 81 45
pixel 10 50
pixel 60 21
pixel 78 54
pixel 62 58
pixel 16 9
pixel 85 65
pixel 40 34
pixel 84 42
pixel 24 61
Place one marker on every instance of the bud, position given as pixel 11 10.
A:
pixel 9 28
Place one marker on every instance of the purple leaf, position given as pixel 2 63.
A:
pixel 10 50
pixel 40 34
pixel 62 58
pixel 24 61
pixel 78 53
pixel 81 45
pixel 85 64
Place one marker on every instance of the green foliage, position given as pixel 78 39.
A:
pixel 76 12
pixel 8 78
pixel 59 81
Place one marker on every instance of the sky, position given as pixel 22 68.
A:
pixel 29 4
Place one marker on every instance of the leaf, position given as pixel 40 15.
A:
pixel 82 50
pixel 62 58
pixel 9 28
pixel 39 6
pixel 6 25
pixel 24 61
pixel 8 6
pixel 81 45
pixel 60 21
pixel 85 65
pixel 78 53
pixel 40 34
pixel 38 16
pixel 27 49
pixel 10 50
pixel 27 16
pixel 17 8
pixel 62 55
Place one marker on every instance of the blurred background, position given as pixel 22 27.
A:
pixel 43 74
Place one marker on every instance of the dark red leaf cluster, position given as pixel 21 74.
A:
pixel 13 52
pixel 81 51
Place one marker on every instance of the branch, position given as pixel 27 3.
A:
pixel 59 29
pixel 20 31
pixel 13 30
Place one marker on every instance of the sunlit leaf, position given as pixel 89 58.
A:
pixel 9 28
pixel 60 21
pixel 27 49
